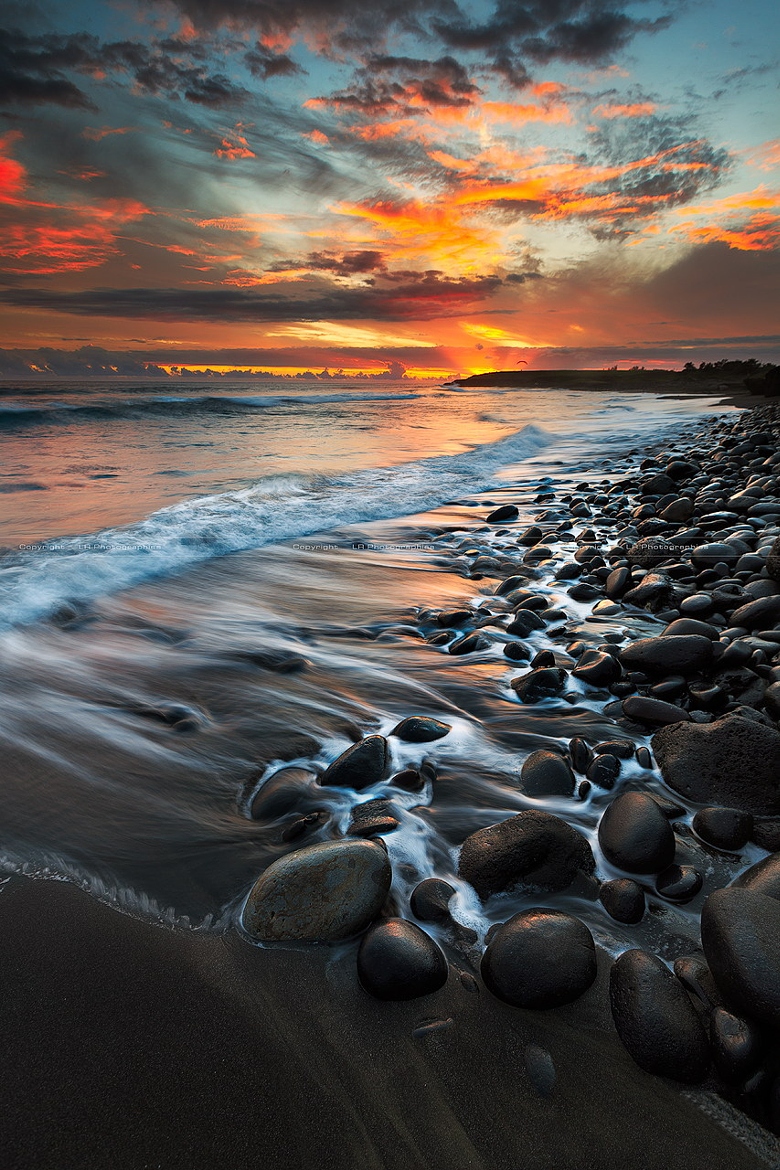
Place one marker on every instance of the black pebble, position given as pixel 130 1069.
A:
pixel 430 900
pixel 604 770
pixel 540 959
pixel 723 828
pixel 679 883
pixel 398 960
pixel 635 835
pixel 623 899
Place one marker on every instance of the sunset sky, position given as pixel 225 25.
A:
pixel 387 185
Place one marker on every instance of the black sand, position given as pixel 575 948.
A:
pixel 128 1046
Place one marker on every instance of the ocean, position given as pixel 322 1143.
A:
pixel 200 585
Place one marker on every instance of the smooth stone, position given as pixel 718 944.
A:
pixel 397 960
pixel 737 1045
pixel 509 584
pixel 673 654
pixel 617 582
pixel 539 959
pixel 280 793
pixel 763 612
pixel 530 536
pixel 773 560
pixel 604 770
pixel 733 761
pixel 678 511
pixel 653 712
pixel 430 900
pixel 740 934
pixel 679 883
pixel 597 669
pixel 652 592
pixel 580 752
pixel 689 625
pixel 707 555
pixel 540 1068
pixel 421 729
pixel 533 847
pixel 410 780
pixel 763 877
pixel 319 894
pixel 650 551
pixel 696 977
pixel 468 644
pixel 723 828
pixel 766 833
pixel 373 818
pixel 505 512
pixel 655 1020
pixel 623 899
pixel 634 834
pixel 546 774
pixel 449 618
pixel 359 766
pixel 516 652
pixel 544 683
pixel 524 622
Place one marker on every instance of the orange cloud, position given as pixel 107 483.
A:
pixel 85 237
pixel 12 173
pixel 766 156
pixel 635 110
pixel 98 133
pixel 519 115
pixel 759 233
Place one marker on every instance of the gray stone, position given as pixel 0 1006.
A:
pixel 740 934
pixel 655 1019
pixel 653 712
pixel 763 877
pixel 535 848
pixel 319 894
pixel 733 761
pixel 723 828
pixel 539 959
pixel 281 793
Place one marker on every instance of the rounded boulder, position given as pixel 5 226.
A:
pixel 540 959
pixel 535 848
pixel 398 960
pixel 321 893
pixel 634 834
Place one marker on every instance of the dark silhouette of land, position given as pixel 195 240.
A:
pixel 707 378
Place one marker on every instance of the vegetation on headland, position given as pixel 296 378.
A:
pixel 708 377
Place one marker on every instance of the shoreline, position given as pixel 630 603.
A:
pixel 97 992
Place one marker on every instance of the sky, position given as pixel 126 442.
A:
pixel 387 187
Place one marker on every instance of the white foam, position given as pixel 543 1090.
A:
pixel 275 509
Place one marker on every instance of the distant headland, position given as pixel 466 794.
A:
pixel 748 376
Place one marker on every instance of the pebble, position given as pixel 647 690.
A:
pixel 604 770
pixel 410 780
pixel 689 625
pixel 679 883
pixel 546 773
pixel 280 793
pixel 733 761
pixel 533 847
pixel 544 683
pixel 635 836
pixel 655 1020
pixel 397 960
pixel 740 933
pixel 505 512
pixel 372 818
pixel 581 754
pixel 319 894
pixel 623 899
pixel 469 643
pixel 540 1068
pixel 737 1045
pixel 653 712
pixel 430 900
pixel 359 766
pixel 421 729
pixel 540 959
pixel 763 612
pixel 597 669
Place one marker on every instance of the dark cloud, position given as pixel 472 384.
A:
pixel 350 264
pixel 406 85
pixel 34 69
pixel 261 62
pixel 405 296
pixel 661 157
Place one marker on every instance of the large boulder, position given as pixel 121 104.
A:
pixel 319 894
pixel 656 1020
pixel 740 934
pixel 535 848
pixel 763 877
pixel 540 959
pixel 763 613
pixel 733 762
pixel 668 654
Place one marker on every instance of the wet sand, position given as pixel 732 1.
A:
pixel 132 1046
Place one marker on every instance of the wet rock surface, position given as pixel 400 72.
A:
pixel 360 766
pixel 634 834
pixel 321 893
pixel 733 761
pixel 398 960
pixel 540 959
pixel 740 934
pixel 536 848
pixel 656 1020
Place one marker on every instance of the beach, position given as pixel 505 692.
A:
pixel 218 677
